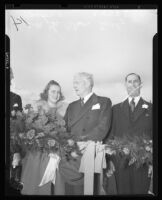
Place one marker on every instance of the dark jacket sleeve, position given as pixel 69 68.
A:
pixel 99 132
pixel 111 133
pixel 66 119
pixel 19 101
pixel 15 99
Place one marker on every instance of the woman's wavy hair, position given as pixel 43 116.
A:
pixel 44 94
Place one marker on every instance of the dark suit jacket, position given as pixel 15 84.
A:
pixel 83 121
pixel 129 180
pixel 123 123
pixel 16 104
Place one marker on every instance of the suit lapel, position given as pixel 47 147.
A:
pixel 125 108
pixel 88 105
pixel 138 109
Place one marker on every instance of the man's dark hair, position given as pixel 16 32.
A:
pixel 133 74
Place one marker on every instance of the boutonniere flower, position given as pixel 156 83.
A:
pixel 15 105
pixel 145 106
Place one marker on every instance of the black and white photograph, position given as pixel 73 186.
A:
pixel 80 101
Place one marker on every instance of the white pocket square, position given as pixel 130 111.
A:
pixel 96 106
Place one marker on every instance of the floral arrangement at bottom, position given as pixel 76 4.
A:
pixel 135 150
pixel 42 131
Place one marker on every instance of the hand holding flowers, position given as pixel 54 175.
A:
pixel 16 159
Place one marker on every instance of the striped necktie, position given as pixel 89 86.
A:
pixel 132 104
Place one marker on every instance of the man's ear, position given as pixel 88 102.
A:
pixel 87 84
pixel 141 85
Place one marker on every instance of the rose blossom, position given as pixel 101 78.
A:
pixel 62 122
pixel 51 143
pixel 148 148
pixel 74 154
pixel 19 114
pixel 37 141
pixel 41 134
pixel 126 150
pixel 29 120
pixel 31 134
pixel 21 135
pixel 70 142
pixel 13 113
pixel 53 133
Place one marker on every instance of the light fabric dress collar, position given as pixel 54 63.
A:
pixel 60 106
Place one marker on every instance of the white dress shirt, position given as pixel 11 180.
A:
pixel 85 99
pixel 136 100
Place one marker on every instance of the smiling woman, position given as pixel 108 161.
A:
pixel 52 92
pixel 36 162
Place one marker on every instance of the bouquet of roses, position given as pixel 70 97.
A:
pixel 46 132
pixel 135 149
pixel 71 149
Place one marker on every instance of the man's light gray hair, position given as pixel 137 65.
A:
pixel 88 77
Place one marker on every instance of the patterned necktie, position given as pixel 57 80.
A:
pixel 132 105
pixel 82 101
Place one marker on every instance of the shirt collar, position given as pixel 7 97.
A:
pixel 136 99
pixel 85 99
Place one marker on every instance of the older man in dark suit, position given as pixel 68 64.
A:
pixel 132 117
pixel 88 118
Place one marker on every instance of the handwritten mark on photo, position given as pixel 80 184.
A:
pixel 19 21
